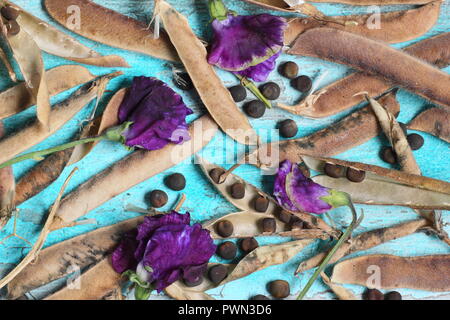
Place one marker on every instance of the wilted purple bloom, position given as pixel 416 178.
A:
pixel 296 192
pixel 164 249
pixel 247 45
pixel 157 115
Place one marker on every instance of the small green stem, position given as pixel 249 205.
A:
pixel 217 10
pixel 327 259
pixel 39 154
pixel 254 89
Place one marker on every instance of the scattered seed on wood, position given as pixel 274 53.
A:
pixel 271 90
pixel 373 294
pixel 435 121
pixel 398 26
pixel 248 244
pixel 227 250
pixel 112 28
pixel 216 98
pixel 388 155
pixel 302 83
pixel 365 241
pixel 384 61
pixel 255 109
pixel 131 170
pixel 354 130
pixel 288 128
pixel 239 93
pixel 158 198
pixel 54 262
pixel 428 273
pixel 279 289
pixel 340 95
pixel 415 141
pixel 176 182
pixel 59 79
pixel 289 69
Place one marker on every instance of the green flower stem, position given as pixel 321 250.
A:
pixel 254 89
pixel 37 155
pixel 217 10
pixel 327 259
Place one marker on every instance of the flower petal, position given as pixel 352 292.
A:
pixel 156 113
pixel 260 72
pixel 123 256
pixel 240 42
pixel 173 249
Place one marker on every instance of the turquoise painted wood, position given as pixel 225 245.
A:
pixel 202 200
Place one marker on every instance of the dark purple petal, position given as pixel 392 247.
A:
pixel 151 223
pixel 261 71
pixel 240 42
pixel 123 256
pixel 296 192
pixel 157 114
pixel 193 273
pixel 174 248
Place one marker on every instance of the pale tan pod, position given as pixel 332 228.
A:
pixel 112 28
pixel 59 79
pixel 8 66
pixel 428 273
pixel 434 121
pixel 397 26
pixel 131 170
pixel 7 190
pixel 375 2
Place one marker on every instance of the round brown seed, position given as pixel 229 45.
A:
pixel 12 28
pixel 285 216
pixel 227 250
pixel 289 70
pixel 255 109
pixel 238 93
pixel 261 204
pixel 216 173
pixel 238 190
pixel 334 170
pixel 393 295
pixel 194 283
pixel 279 289
pixel 388 155
pixel 298 225
pixel 176 182
pixel 9 13
pixel 224 228
pixel 373 294
pixel 217 273
pixel 415 141
pixel 158 198
pixel 270 90
pixel 288 128
pixel 302 83
pixel 249 244
pixel 269 225
pixel 260 297
pixel 355 175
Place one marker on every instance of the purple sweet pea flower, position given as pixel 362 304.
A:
pixel 157 115
pixel 164 249
pixel 246 45
pixel 296 192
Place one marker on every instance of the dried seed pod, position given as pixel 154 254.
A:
pixel 428 273
pixel 435 121
pixel 397 66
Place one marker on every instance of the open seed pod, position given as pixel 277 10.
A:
pixel 383 186
pixel 246 204
pixel 435 121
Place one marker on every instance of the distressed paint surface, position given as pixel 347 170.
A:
pixel 202 200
